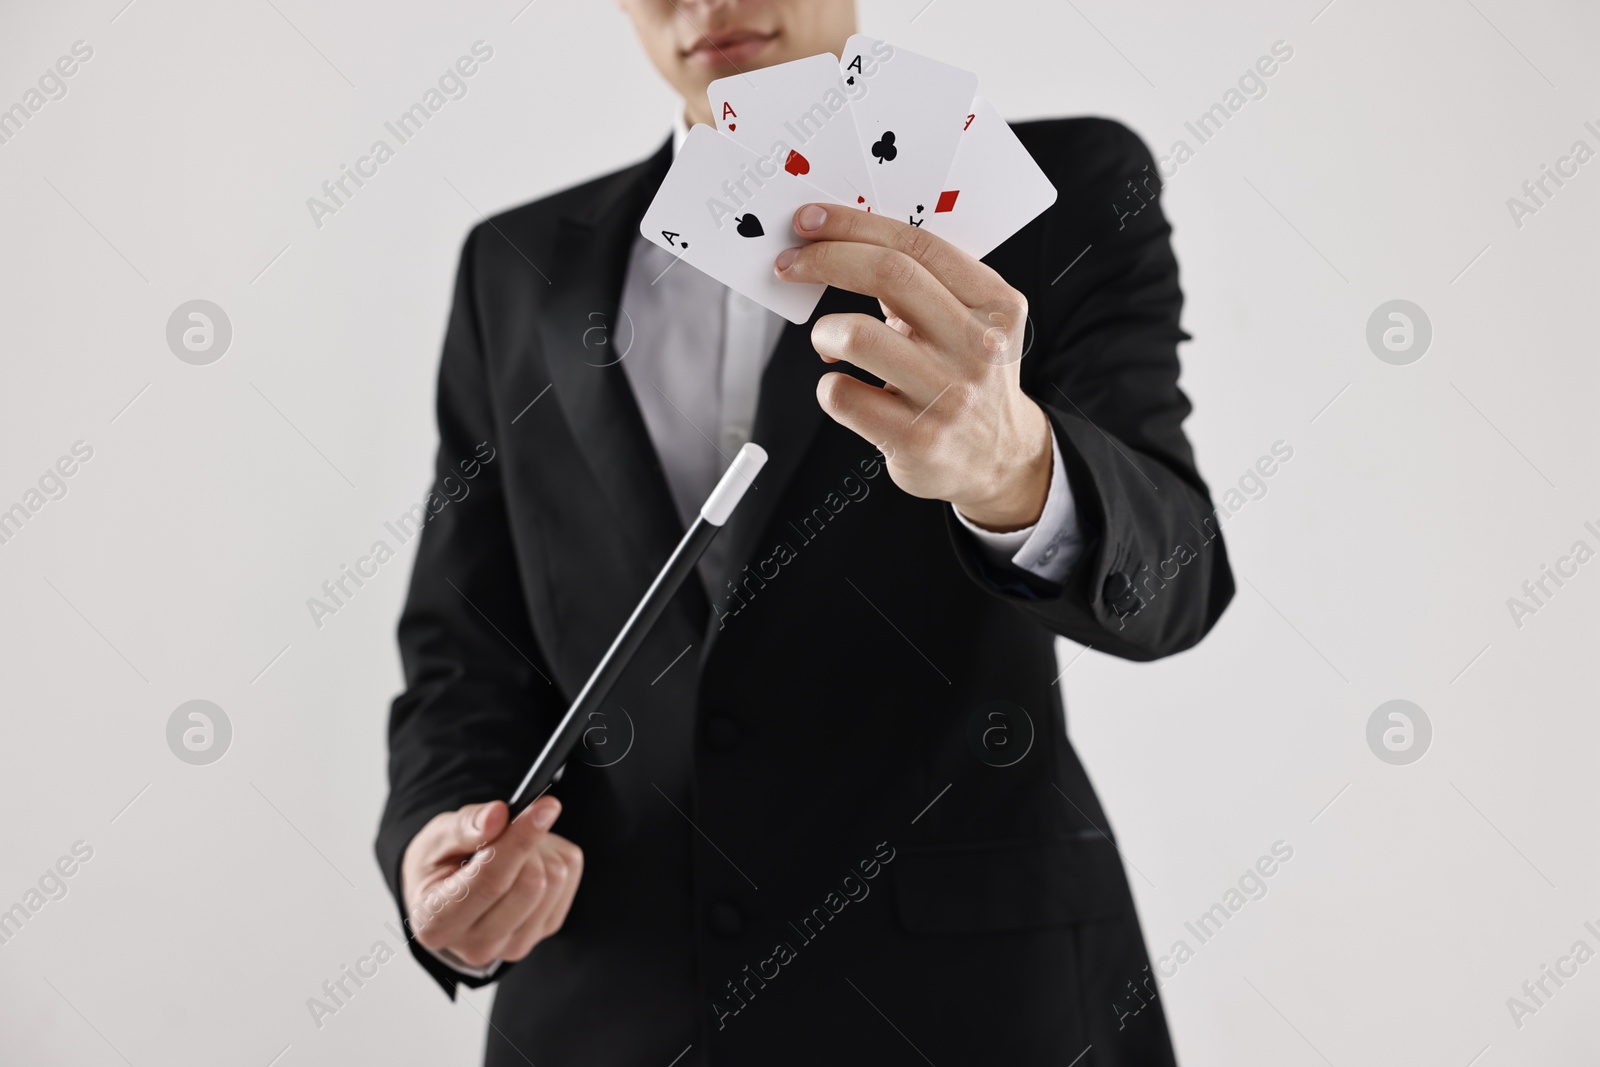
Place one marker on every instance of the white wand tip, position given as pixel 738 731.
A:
pixel 735 480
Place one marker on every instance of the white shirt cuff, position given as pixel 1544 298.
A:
pixel 456 963
pixel 1049 547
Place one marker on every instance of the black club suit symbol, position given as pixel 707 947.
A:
pixel 884 147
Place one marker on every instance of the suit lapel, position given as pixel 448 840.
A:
pixel 592 248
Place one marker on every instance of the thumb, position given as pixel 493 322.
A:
pixel 476 825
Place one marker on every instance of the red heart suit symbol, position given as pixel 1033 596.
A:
pixel 796 164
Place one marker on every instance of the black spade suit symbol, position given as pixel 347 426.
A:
pixel 884 147
pixel 750 226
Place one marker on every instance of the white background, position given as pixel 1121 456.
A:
pixel 1377 566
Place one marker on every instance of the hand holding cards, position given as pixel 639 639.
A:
pixel 883 130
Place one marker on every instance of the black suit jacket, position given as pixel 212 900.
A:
pixel 850 827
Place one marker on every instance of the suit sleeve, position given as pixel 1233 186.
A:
pixel 477 688
pixel 1153 576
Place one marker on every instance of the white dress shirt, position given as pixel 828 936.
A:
pixel 699 412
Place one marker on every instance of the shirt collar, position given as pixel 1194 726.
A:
pixel 680 130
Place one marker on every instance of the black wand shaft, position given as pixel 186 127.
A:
pixel 718 506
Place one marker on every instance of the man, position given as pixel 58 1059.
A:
pixel 830 813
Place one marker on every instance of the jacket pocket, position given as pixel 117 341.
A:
pixel 993 887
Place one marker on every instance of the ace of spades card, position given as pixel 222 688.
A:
pixel 727 211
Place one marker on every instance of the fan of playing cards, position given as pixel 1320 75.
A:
pixel 884 130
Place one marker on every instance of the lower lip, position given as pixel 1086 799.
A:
pixel 730 54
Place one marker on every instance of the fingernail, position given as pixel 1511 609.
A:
pixel 477 820
pixel 786 257
pixel 812 216
pixel 546 816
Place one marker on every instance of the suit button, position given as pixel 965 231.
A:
pixel 1120 595
pixel 722 733
pixel 725 919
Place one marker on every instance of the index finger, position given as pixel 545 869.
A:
pixel 479 882
pixel 969 281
